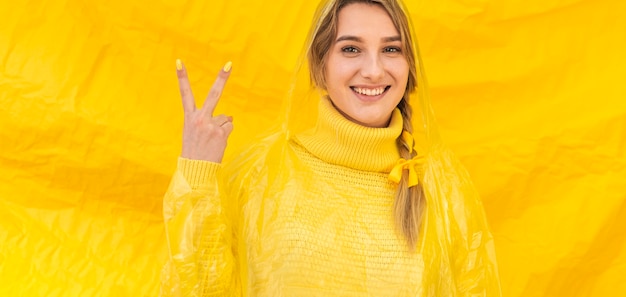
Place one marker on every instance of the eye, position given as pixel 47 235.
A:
pixel 349 49
pixel 392 49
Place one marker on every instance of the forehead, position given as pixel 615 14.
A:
pixel 363 19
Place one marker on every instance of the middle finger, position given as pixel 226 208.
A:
pixel 216 90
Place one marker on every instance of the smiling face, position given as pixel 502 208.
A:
pixel 366 71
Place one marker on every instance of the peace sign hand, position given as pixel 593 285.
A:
pixel 204 135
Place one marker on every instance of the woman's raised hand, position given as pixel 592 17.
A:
pixel 204 135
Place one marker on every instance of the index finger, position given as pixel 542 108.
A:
pixel 216 90
pixel 186 95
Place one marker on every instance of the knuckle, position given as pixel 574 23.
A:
pixel 210 129
pixel 220 132
pixel 197 122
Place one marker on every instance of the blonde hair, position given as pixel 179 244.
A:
pixel 409 202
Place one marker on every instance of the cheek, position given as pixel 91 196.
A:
pixel 400 69
pixel 337 69
pixel 341 68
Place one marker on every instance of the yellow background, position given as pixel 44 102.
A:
pixel 529 94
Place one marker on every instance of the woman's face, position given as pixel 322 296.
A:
pixel 366 71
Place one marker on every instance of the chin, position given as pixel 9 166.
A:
pixel 373 122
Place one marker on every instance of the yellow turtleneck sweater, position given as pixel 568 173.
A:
pixel 312 216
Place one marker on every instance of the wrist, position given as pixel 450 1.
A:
pixel 197 172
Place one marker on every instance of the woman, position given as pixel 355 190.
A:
pixel 346 207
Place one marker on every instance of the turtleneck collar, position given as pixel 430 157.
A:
pixel 340 141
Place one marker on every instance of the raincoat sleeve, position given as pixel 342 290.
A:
pixel 199 234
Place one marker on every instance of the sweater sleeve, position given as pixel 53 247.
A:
pixel 199 234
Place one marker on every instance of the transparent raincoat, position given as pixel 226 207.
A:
pixel 226 236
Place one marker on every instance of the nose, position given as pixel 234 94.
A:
pixel 373 68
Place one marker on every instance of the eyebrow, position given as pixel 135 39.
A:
pixel 358 39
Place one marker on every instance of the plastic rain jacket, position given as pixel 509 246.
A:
pixel 455 244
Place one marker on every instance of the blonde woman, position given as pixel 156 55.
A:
pixel 346 207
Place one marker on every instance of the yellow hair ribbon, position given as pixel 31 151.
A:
pixel 396 173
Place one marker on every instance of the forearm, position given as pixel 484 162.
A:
pixel 199 235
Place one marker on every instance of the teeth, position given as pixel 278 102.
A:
pixel 369 92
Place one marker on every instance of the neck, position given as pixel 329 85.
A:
pixel 337 140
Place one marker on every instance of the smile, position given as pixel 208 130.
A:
pixel 370 91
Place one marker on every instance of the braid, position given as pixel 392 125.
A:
pixel 409 201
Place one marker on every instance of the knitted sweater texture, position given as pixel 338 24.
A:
pixel 310 217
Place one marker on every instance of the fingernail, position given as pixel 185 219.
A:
pixel 227 67
pixel 179 64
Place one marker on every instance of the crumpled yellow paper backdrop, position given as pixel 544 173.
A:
pixel 529 94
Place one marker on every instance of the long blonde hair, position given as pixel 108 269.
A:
pixel 409 201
